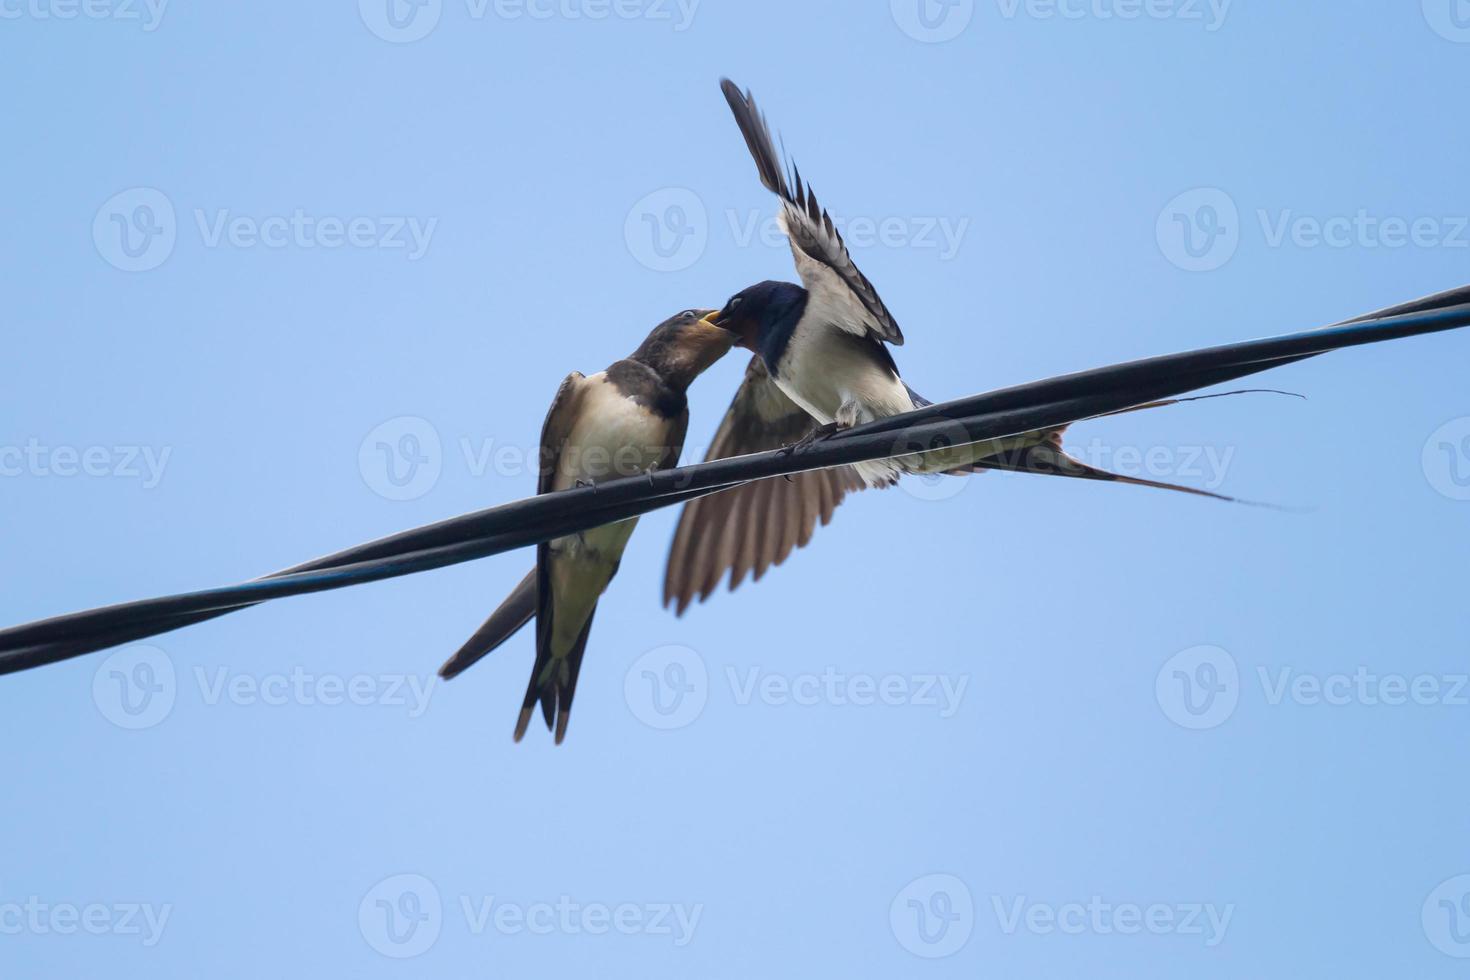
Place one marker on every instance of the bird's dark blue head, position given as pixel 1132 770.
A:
pixel 762 316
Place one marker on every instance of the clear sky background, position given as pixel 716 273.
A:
pixel 1013 727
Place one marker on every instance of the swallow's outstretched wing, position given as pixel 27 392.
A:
pixel 840 293
pixel 755 525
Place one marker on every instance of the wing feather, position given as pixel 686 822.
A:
pixel 838 287
pixel 555 431
pixel 756 526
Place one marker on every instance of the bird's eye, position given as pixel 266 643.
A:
pixel 687 314
pixel 735 301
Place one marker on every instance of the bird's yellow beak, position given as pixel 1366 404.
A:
pixel 712 318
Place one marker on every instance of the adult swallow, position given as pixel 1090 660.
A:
pixel 628 419
pixel 821 363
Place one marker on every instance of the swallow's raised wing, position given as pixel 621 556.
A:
pixel 755 525
pixel 839 290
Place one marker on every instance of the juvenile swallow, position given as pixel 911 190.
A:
pixel 628 419
pixel 821 363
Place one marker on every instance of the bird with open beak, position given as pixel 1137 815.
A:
pixel 821 363
pixel 626 420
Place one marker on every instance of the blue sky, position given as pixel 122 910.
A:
pixel 284 277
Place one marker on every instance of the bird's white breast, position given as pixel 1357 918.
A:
pixel 822 368
pixel 613 437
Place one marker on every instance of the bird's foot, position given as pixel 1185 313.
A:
pixel 815 435
pixel 581 484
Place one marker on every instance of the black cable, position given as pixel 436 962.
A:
pixel 1010 411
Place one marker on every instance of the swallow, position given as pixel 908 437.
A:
pixel 628 419
pixel 821 363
